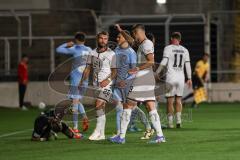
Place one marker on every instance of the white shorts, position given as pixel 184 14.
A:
pixel 143 87
pixel 104 93
pixel 174 87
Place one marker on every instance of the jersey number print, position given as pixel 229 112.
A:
pixel 176 56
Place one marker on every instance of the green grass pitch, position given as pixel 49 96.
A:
pixel 213 134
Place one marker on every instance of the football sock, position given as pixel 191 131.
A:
pixel 101 120
pixel 133 117
pixel 81 109
pixel 143 118
pixel 125 119
pixel 119 110
pixel 154 117
pixel 170 119
pixel 75 116
pixel 178 117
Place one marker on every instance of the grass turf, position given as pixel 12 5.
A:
pixel 213 134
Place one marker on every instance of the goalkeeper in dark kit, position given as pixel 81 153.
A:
pixel 49 123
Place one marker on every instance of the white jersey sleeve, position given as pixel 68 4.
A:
pixel 114 60
pixel 165 58
pixel 188 65
pixel 147 47
pixel 187 57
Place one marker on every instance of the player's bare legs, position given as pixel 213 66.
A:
pixel 170 111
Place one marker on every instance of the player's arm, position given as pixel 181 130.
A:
pixel 164 61
pixel 148 50
pixel 162 65
pixel 65 48
pixel 128 38
pixel 148 64
pixel 86 73
pixel 87 70
pixel 109 79
pixel 113 74
pixel 188 70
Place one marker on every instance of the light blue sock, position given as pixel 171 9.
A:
pixel 75 116
pixel 119 110
pixel 81 110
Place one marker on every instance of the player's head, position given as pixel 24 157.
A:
pixel 102 39
pixel 138 31
pixel 151 37
pixel 205 57
pixel 120 39
pixel 25 58
pixel 176 37
pixel 80 37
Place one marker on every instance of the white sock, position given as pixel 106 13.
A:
pixel 178 117
pixel 103 125
pixel 98 124
pixel 101 121
pixel 154 117
pixel 170 119
pixel 125 119
pixel 119 110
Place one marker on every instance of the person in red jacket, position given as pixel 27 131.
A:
pixel 22 80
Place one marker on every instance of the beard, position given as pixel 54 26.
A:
pixel 102 45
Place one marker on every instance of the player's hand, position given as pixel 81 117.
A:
pixel 189 83
pixel 70 44
pixel 122 84
pixel 104 83
pixel 133 71
pixel 118 27
pixel 85 124
pixel 25 82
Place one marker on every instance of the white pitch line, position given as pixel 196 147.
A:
pixel 14 133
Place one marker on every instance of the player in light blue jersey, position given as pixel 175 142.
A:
pixel 79 52
pixel 126 59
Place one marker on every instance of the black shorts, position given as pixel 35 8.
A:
pixel 197 82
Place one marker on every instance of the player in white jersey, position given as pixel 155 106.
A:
pixel 103 61
pixel 143 85
pixel 175 58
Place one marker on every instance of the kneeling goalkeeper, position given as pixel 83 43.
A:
pixel 48 124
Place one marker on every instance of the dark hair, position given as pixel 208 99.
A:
pixel 176 35
pixel 24 56
pixel 138 26
pixel 206 54
pixel 103 33
pixel 150 36
pixel 80 36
